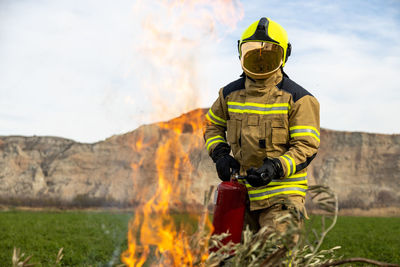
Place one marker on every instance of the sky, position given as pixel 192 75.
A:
pixel 87 70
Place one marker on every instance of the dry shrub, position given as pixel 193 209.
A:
pixel 266 248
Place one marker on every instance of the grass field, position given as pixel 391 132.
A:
pixel 95 238
pixel 98 238
pixel 375 238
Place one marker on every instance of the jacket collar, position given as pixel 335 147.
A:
pixel 262 86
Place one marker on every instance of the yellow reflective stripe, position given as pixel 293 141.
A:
pixel 287 165
pixel 214 140
pixel 286 182
pixel 293 163
pixel 305 134
pixel 213 121
pixel 210 144
pixel 304 127
pixel 279 190
pixel 302 130
pixel 215 116
pixel 258 108
pixel 259 105
pixel 266 189
pixel 214 137
pixel 257 111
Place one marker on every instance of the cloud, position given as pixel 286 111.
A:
pixel 347 53
pixel 354 71
pixel 74 68
pixel 58 61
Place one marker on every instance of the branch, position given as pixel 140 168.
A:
pixel 274 258
pixel 317 190
pixel 377 263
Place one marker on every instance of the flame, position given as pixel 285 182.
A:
pixel 153 237
pixel 153 224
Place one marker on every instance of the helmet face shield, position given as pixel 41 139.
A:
pixel 259 59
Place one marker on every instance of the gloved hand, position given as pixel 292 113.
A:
pixel 271 169
pixel 224 162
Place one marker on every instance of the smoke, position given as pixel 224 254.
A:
pixel 169 49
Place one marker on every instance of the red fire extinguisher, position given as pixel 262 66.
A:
pixel 230 203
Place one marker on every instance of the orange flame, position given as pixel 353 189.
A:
pixel 154 237
pixel 153 225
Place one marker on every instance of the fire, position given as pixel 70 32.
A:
pixel 153 237
pixel 153 226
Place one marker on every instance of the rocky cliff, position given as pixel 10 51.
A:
pixel 363 168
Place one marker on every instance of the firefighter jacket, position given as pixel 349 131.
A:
pixel 273 118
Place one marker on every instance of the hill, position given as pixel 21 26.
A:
pixel 363 168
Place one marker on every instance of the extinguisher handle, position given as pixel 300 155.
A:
pixel 235 176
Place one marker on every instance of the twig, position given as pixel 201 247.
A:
pixel 325 232
pixel 274 258
pixel 377 263
pixel 18 257
pixel 59 257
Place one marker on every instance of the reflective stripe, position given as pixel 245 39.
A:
pixel 214 140
pixel 293 163
pixel 301 180
pixel 213 121
pixel 305 127
pixel 258 104
pixel 304 174
pixel 290 164
pixel 215 118
pixel 257 108
pixel 276 189
pixel 287 164
pixel 270 192
pixel 304 131
pixel 305 134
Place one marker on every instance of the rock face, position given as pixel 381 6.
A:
pixel 363 168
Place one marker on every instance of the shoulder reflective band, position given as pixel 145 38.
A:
pixel 304 131
pixel 291 166
pixel 297 179
pixel 257 108
pixel 214 140
pixel 277 190
pixel 215 119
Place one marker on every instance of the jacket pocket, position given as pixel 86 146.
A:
pixel 231 135
pixel 279 132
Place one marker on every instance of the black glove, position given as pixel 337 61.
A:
pixel 271 169
pixel 224 162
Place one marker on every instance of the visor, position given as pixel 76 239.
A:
pixel 259 59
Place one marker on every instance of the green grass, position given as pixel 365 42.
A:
pixel 95 238
pixel 374 238
pixel 98 238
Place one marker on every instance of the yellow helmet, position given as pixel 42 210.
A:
pixel 266 30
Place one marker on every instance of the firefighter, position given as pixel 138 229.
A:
pixel 265 126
